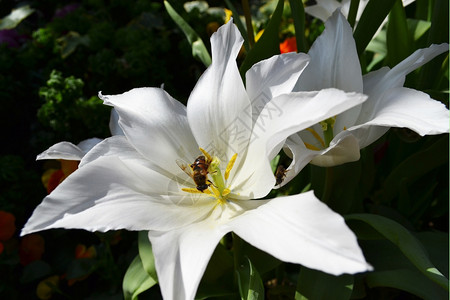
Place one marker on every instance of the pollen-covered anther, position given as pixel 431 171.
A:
pixel 196 191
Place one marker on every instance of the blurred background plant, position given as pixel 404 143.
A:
pixel 56 56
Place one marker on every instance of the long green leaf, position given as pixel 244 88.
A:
pixel 433 156
pixel 136 280
pixel 313 284
pixel 397 36
pixel 407 280
pixel 406 243
pixel 250 284
pixel 146 254
pixel 298 15
pixel 268 45
pixel 199 50
pixel 372 17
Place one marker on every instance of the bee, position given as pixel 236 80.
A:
pixel 280 174
pixel 198 171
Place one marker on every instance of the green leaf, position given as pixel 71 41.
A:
pixel 417 28
pixel 146 254
pixel 397 36
pixel 352 12
pixel 409 171
pixel 15 17
pixel 372 17
pixel 268 45
pixel 408 280
pixel 298 15
pixel 69 43
pixel 250 284
pixel 199 50
pixel 317 285
pixel 136 280
pixel 406 243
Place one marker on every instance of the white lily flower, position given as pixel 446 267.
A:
pixel 323 9
pixel 334 63
pixel 138 181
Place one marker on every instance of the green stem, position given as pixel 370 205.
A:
pixel 328 186
pixel 237 255
pixel 248 22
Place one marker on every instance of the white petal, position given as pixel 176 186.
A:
pixel 272 77
pixel 114 127
pixel 62 150
pixel 323 9
pixel 343 148
pixel 156 125
pixel 334 64
pixel 218 108
pixel 108 194
pixel 301 229
pixel 181 257
pixel 280 118
pixel 334 60
pixel 403 107
pixel 88 144
pixel 396 76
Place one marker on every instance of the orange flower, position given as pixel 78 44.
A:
pixel 289 45
pixel 82 252
pixel 53 177
pixel 31 248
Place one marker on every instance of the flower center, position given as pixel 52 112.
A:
pixel 217 186
pixel 327 129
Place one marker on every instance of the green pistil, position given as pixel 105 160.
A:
pixel 216 175
pixel 327 128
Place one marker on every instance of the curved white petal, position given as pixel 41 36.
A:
pixel 114 127
pixel 108 194
pixel 343 148
pixel 323 9
pixel 68 151
pixel 272 77
pixel 403 107
pixel 334 61
pixel 218 108
pixel 301 229
pixel 396 76
pixel 334 64
pixel 181 257
pixel 280 118
pixel 156 125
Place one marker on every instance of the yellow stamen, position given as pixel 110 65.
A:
pixel 215 191
pixel 206 154
pixel 195 191
pixel 230 166
pixel 226 192
pixel 311 147
pixel 317 136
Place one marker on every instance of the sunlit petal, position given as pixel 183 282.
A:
pixel 218 108
pixel 301 229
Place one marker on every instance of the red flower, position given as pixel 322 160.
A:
pixel 289 45
pixel 7 227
